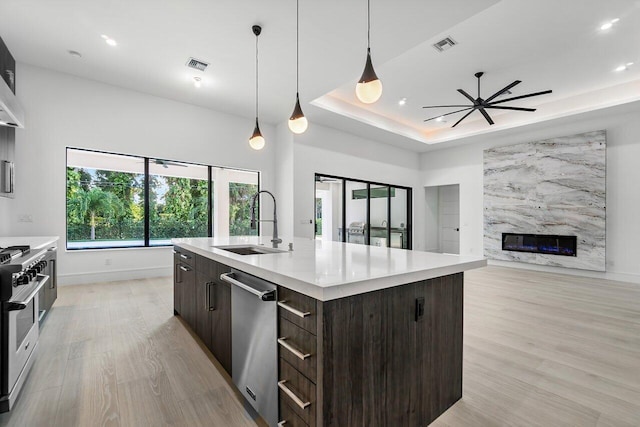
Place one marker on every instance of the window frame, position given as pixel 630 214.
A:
pixel 146 181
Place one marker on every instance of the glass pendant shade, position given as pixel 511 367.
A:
pixel 369 87
pixel 298 122
pixel 257 140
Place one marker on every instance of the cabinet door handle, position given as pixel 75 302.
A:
pixel 211 306
pixel 282 423
pixel 53 273
pixel 183 268
pixel 283 342
pixel 292 310
pixel 292 395
pixel 183 256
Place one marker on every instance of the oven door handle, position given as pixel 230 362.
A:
pixel 21 305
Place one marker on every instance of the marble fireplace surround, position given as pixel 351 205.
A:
pixel 555 186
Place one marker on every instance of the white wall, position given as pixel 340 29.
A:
pixel 63 110
pixel 332 152
pixel 464 165
pixel 284 179
pixel 5 213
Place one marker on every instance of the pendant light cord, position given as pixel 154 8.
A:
pixel 297 47
pixel 256 78
pixel 368 24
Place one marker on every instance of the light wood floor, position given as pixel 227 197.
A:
pixel 540 350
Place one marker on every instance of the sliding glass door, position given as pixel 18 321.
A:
pixel 362 212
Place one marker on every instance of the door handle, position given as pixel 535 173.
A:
pixel 292 310
pixel 457 229
pixel 300 355
pixel 301 404
pixel 208 304
pixel 263 295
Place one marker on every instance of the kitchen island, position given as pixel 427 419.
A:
pixel 366 335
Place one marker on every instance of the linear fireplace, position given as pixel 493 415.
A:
pixel 540 244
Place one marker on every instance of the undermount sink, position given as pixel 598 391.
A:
pixel 250 250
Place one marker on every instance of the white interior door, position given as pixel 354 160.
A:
pixel 449 218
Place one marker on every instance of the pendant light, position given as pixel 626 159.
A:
pixel 298 122
pixel 369 87
pixel 257 140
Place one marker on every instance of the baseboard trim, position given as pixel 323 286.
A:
pixel 608 275
pixel 113 275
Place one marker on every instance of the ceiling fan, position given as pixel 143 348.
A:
pixel 483 105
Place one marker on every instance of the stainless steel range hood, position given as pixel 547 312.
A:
pixel 11 113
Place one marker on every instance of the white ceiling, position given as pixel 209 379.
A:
pixel 548 44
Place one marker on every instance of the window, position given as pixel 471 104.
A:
pixel 116 200
pixel 178 201
pixel 105 200
pixel 362 212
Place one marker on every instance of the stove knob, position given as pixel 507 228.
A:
pixel 23 280
pixel 32 273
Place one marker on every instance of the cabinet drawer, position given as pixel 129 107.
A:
pixel 298 309
pixel 207 267
pixel 288 417
pixel 298 347
pixel 296 391
pixel 184 256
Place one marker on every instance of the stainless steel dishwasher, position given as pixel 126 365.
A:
pixel 254 350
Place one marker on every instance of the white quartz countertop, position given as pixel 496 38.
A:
pixel 36 242
pixel 329 270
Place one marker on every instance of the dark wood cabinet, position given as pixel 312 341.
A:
pixel 7 66
pixel 185 286
pixel 204 302
pixel 221 325
pixel 380 360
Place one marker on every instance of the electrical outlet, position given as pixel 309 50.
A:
pixel 25 218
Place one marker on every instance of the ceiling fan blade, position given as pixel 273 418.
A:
pixel 503 90
pixel 453 112
pixel 486 115
pixel 511 108
pixel 522 96
pixel 467 95
pixel 445 106
pixel 463 117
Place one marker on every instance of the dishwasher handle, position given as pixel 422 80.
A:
pixel 263 295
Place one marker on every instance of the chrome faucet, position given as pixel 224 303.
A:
pixel 275 239
pixel 384 223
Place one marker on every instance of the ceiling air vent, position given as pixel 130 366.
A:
pixel 444 44
pixel 197 64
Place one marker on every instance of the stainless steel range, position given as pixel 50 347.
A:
pixel 20 280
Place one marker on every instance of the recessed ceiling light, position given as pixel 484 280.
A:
pixel 108 40
pixel 607 25
pixel 74 53
pixel 624 66
pixel 403 101
pixel 197 81
pixel 441 119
